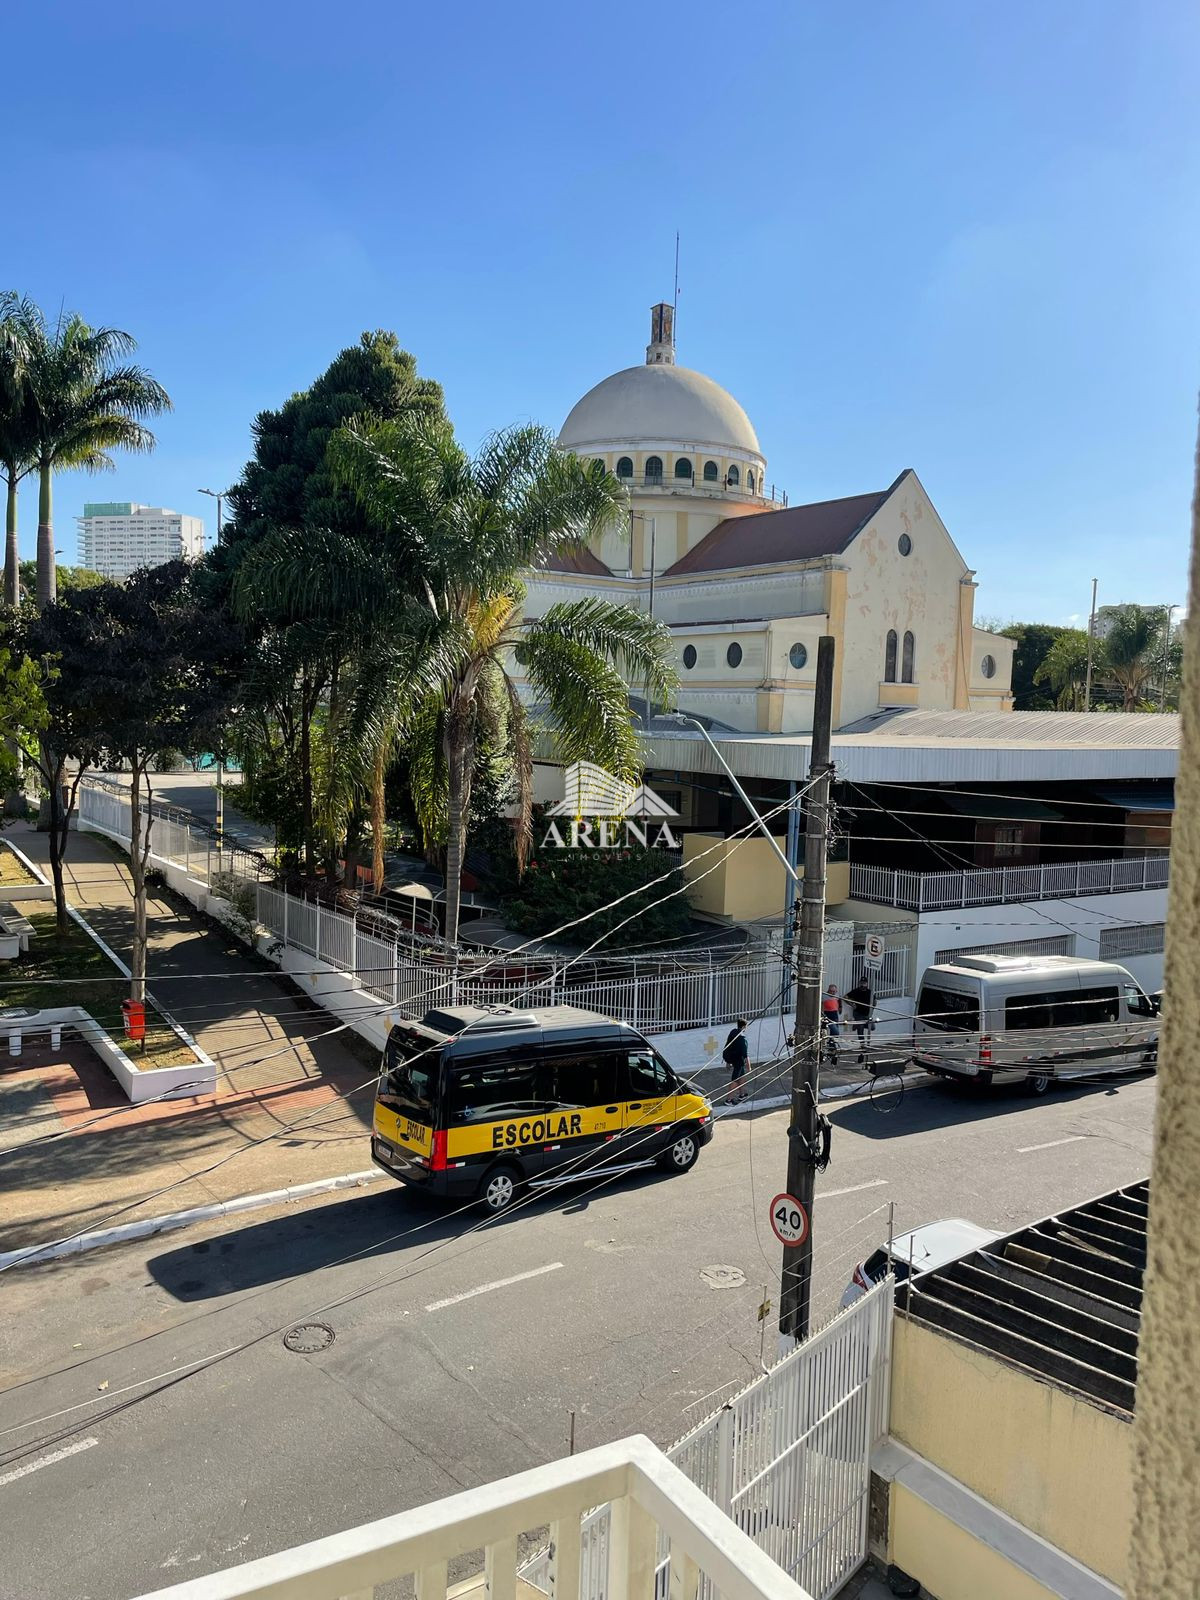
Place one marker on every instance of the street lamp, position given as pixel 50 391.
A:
pixel 218 495
pixel 1162 700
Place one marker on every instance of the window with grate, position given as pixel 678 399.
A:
pixel 1139 939
pixel 1054 945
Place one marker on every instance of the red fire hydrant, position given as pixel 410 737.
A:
pixel 134 1013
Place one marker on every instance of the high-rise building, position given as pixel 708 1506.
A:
pixel 116 537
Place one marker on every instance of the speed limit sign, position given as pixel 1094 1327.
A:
pixel 789 1219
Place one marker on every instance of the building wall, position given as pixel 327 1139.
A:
pixel 919 592
pixel 950 1562
pixel 1059 1465
pixel 745 880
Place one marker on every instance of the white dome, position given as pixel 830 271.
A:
pixel 659 405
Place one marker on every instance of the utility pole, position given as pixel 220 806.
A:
pixel 795 1295
pixel 1087 693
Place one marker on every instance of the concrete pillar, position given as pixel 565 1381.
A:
pixel 1165 1555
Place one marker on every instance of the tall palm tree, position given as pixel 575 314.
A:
pixel 438 597
pixel 1132 650
pixel 16 457
pixel 1064 668
pixel 83 401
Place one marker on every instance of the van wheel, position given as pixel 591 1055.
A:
pixel 1037 1082
pixel 499 1189
pixel 681 1154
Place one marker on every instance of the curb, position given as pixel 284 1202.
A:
pixel 149 1226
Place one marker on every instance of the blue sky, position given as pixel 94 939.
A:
pixel 956 236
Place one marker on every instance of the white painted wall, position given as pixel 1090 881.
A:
pixel 1042 919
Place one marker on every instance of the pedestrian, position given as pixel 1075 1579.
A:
pixel 736 1056
pixel 831 1016
pixel 859 1001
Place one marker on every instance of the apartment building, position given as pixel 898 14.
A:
pixel 117 537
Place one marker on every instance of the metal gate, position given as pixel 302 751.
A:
pixel 788 1459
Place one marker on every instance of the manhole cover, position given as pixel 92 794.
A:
pixel 307 1338
pixel 723 1277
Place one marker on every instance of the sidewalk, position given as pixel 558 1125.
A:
pixel 59 1175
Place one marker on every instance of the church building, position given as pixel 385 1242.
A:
pixel 748 583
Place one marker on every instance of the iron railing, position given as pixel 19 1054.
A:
pixel 985 886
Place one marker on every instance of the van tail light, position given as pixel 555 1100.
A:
pixel 985 1050
pixel 437 1160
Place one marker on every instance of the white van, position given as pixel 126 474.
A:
pixel 996 1019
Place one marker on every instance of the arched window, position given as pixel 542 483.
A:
pixel 906 669
pixel 597 464
pixel 711 472
pixel 653 469
pixel 683 468
pixel 734 478
pixel 624 467
pixel 750 482
pixel 889 657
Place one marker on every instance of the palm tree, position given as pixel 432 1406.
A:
pixel 82 402
pixel 437 600
pixel 1064 668
pixel 16 456
pixel 1131 650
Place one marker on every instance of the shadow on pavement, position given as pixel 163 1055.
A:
pixel 947 1105
pixel 361 1227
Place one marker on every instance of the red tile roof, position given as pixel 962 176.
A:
pixel 796 534
pixel 580 561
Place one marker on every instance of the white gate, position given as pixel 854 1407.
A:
pixel 788 1458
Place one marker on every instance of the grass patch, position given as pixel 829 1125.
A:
pixel 69 958
pixel 13 873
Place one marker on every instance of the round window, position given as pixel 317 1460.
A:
pixel 734 654
pixel 988 666
pixel 798 655
pixel 689 656
pixel 904 544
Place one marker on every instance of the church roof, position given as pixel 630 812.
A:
pixel 580 561
pixel 658 405
pixel 769 538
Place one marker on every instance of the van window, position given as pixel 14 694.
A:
pixel 648 1078
pixel 1097 1005
pixel 1038 1010
pixel 948 1008
pixel 490 1088
pixel 410 1067
pixel 584 1078
pixel 1136 1003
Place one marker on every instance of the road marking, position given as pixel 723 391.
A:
pixel 486 1288
pixel 47 1461
pixel 832 1194
pixel 1074 1138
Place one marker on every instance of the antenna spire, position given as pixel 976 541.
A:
pixel 675 304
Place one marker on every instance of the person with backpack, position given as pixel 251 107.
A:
pixel 736 1056
pixel 831 1019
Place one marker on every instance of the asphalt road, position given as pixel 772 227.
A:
pixel 442 1373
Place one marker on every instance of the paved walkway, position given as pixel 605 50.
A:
pixel 73 1152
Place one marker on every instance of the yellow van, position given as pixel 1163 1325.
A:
pixel 479 1104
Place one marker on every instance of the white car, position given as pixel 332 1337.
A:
pixel 929 1246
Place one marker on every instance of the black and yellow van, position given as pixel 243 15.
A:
pixel 475 1103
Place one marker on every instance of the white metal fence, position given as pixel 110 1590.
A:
pixel 651 994
pixel 788 1459
pixel 984 886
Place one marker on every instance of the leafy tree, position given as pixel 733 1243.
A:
pixel 80 400
pixel 66 577
pixel 442 598
pixel 1034 642
pixel 1132 639
pixel 16 434
pixel 138 667
pixel 560 885
pixel 1064 669
pixel 302 702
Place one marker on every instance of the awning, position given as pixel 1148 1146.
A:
pixel 1137 796
pixel 1000 808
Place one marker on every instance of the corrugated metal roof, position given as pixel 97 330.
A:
pixel 1136 796
pixel 1149 730
pixel 1062 1299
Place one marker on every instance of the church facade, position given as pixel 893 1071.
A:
pixel 748 583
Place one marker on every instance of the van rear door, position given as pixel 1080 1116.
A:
pixel 949 1023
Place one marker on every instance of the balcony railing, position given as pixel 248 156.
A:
pixel 715 487
pixel 649 1496
pixel 989 886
